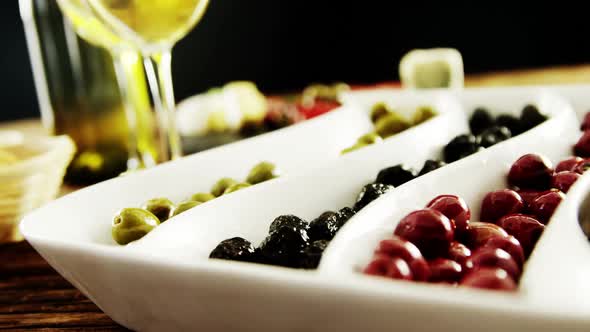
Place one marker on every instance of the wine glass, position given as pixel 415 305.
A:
pixel 130 77
pixel 154 26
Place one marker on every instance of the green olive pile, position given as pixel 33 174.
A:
pixel 131 224
pixel 388 122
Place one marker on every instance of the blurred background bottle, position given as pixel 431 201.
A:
pixel 79 95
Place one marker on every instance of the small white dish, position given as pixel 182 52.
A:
pixel 31 174
pixel 434 67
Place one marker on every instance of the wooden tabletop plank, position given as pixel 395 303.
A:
pixel 40 296
pixel 572 74
pixel 32 282
pixel 67 329
pixel 34 297
pixel 57 307
pixel 91 319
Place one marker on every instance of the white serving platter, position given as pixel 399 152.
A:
pixel 166 282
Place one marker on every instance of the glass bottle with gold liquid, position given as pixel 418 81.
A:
pixel 79 87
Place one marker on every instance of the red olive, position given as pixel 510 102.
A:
pixel 568 164
pixel 399 269
pixel 445 270
pixel 384 266
pixel 398 247
pixel 480 232
pixel 454 208
pixel 531 171
pixel 489 278
pixel 459 252
pixel 528 196
pixel 585 122
pixel 564 180
pixel 429 230
pixel 582 147
pixel 509 244
pixel 545 205
pixel 499 203
pixel 525 229
pixel 582 166
pixel 378 266
pixel 493 257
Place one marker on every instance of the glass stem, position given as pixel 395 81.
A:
pixel 159 73
pixel 134 162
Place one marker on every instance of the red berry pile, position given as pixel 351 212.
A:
pixel 440 244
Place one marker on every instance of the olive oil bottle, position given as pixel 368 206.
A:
pixel 79 95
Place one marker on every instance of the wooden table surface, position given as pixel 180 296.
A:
pixel 34 297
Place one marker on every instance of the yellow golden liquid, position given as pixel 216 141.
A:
pixel 87 25
pixel 109 125
pixel 150 21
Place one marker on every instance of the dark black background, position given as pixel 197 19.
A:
pixel 285 44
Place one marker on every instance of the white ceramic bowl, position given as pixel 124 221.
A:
pixel 166 282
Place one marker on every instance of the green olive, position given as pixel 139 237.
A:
pixel 378 111
pixel 370 138
pixel 390 125
pixel 159 207
pixel 423 114
pixel 7 157
pixel 132 224
pixel 185 206
pixel 354 148
pixel 202 197
pixel 263 171
pixel 219 187
pixel 236 187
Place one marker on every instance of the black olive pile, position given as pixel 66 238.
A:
pixel 487 131
pixel 296 243
pixel 291 241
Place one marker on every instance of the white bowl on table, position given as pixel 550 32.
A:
pixel 31 180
